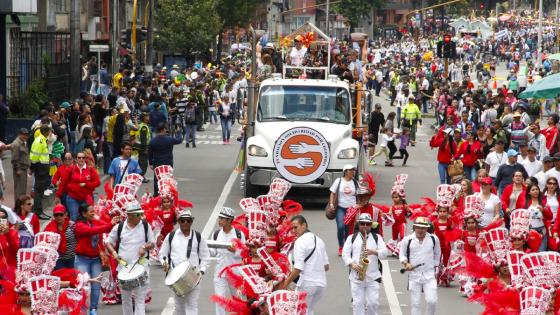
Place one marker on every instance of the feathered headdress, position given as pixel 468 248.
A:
pixel 498 245
pixel 520 223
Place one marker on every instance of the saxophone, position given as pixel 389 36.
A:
pixel 364 261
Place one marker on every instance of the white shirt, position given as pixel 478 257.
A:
pixel 296 56
pixel 532 168
pixel 351 254
pixel 223 256
pixel 495 160
pixel 131 241
pixel 552 203
pixel 536 217
pixel 488 213
pixel 541 177
pixel 553 173
pixel 385 139
pixel 425 252
pixel 313 271
pixel 179 246
pixel 346 192
pixel 12 216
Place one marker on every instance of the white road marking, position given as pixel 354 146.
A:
pixel 389 288
pixel 208 228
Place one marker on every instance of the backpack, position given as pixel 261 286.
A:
pixel 120 228
pixel 237 234
pixel 26 238
pixel 375 238
pixel 190 115
pixel 410 241
pixel 189 246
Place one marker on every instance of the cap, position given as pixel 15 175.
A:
pixel 548 159
pixel 512 152
pixel 23 131
pixel 421 222
pixel 348 167
pixel 556 156
pixel 448 130
pixel 365 217
pixel 269 45
pixel 486 181
pixel 186 214
pixel 134 208
pixel 298 38
pixel 516 114
pixel 175 67
pixel 65 105
pixel 59 209
pixel 133 90
pixel 227 213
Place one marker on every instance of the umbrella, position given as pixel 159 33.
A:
pixel 547 87
pixel 553 57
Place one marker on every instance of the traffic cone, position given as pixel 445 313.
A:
pixel 495 84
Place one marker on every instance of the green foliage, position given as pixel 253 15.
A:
pixel 28 103
pixel 238 12
pixel 186 26
pixel 355 10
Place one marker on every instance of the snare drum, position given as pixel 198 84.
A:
pixel 132 278
pixel 183 278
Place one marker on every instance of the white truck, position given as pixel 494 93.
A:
pixel 305 130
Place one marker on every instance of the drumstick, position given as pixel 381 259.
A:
pixel 413 267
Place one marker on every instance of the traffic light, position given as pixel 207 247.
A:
pixel 448 47
pixel 482 7
pixel 439 50
pixel 125 38
pixel 141 34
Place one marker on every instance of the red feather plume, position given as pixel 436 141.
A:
pixel 494 224
pixel 534 240
pixel 291 207
pixel 108 191
pixel 239 245
pixel 8 298
pixel 233 305
pixel 184 204
pixel 384 208
pixel 453 235
pixel 368 179
pixel 476 267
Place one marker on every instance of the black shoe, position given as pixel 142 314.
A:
pixel 194 145
pixel 43 216
pixel 145 181
pixel 187 145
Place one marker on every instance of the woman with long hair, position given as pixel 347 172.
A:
pixel 511 196
pixel 446 146
pixel 491 202
pixel 469 152
pixel 89 247
pixel 28 221
pixel 540 215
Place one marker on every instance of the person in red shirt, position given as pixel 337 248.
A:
pixel 363 194
pixel 469 151
pixel 399 210
pixel 9 245
pixel 441 225
pixel 79 185
pixel 89 247
pixel 470 234
pixel 168 216
pixel 62 170
pixel 446 146
pixel 61 225
pixel 551 134
pixel 28 221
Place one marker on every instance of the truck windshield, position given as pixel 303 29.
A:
pixel 305 103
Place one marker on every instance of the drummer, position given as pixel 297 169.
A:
pixel 133 239
pixel 179 246
pixel 225 256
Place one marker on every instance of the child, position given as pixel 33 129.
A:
pixel 405 141
pixel 442 224
pixel 399 210
pixel 470 234
pixel 387 136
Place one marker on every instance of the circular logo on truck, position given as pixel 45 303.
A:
pixel 301 155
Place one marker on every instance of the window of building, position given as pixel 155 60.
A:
pixel 298 21
pixel 59 6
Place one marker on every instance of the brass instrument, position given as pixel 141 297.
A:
pixel 364 261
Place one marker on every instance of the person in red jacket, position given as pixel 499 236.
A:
pixel 89 247
pixel 540 215
pixel 62 172
pixel 442 224
pixel 446 146
pixel 9 245
pixel 469 151
pixel 61 225
pixel 363 195
pixel 551 134
pixel 79 185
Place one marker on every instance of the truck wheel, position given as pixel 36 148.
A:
pixel 251 191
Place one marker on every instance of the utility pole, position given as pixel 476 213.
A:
pixel 150 39
pixel 539 49
pixel 115 35
pixel 327 17
pixel 75 63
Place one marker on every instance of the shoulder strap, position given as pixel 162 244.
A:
pixel 313 251
pixel 237 233
pixel 198 238
pixel 189 247
pixel 119 231
pixel 408 250
pixel 171 235
pixel 124 171
pixel 145 230
pixel 215 235
pixel 433 240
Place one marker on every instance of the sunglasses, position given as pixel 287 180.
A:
pixel 29 204
pixel 80 157
pixel 58 214
pixel 68 159
pixel 364 223
pixel 138 215
pixel 185 220
pixel 551 183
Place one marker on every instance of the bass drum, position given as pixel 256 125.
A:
pixel 183 278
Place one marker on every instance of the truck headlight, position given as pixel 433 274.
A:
pixel 347 154
pixel 255 150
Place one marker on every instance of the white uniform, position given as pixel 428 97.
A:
pixel 365 294
pixel 199 257
pixel 422 279
pixel 224 258
pixel 313 277
pixel 130 242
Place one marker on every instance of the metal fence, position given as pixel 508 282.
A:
pixel 40 55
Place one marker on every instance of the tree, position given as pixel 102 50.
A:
pixel 186 26
pixel 355 10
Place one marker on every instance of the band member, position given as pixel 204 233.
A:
pixel 361 252
pixel 129 243
pixel 310 263
pixel 178 246
pixel 225 256
pixel 420 254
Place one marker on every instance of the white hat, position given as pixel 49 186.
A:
pixel 227 213
pixel 186 214
pixel 134 208
pixel 269 45
pixel 365 217
pixel 175 67
pixel 348 167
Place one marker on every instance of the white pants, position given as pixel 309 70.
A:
pixel 365 296
pixel 222 288
pixel 187 305
pixel 314 294
pixel 139 301
pixel 429 287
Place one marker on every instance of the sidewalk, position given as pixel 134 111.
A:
pixel 9 198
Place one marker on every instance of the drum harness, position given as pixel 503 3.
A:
pixel 189 247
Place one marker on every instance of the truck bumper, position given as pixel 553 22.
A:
pixel 263 177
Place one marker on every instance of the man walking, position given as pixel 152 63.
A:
pixel 160 149
pixel 225 256
pixel 141 142
pixel 123 165
pixel 185 244
pixel 20 162
pixel 420 254
pixel 39 157
pixel 411 117
pixel 310 263
pixel 364 244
